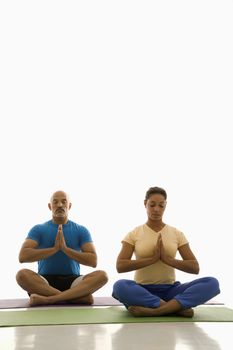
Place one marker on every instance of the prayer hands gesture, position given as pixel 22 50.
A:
pixel 159 252
pixel 60 243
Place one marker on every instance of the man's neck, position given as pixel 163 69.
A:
pixel 59 222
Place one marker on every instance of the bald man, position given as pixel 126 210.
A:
pixel 60 246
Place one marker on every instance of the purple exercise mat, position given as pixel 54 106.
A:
pixel 24 303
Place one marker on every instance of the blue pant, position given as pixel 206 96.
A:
pixel 188 294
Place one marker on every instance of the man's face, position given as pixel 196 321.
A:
pixel 59 205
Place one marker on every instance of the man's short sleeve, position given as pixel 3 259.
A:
pixel 34 234
pixel 84 235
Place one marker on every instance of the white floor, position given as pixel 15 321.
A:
pixel 159 336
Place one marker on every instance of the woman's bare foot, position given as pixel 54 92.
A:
pixel 186 313
pixel 146 311
pixel 36 299
pixel 142 311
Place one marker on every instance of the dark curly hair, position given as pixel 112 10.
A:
pixel 155 190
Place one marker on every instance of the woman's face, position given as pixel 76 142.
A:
pixel 155 206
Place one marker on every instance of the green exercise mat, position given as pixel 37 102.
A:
pixel 113 314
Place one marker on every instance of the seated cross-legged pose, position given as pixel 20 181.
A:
pixel 60 246
pixel 155 291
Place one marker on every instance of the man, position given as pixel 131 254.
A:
pixel 59 246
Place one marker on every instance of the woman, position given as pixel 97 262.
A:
pixel 155 291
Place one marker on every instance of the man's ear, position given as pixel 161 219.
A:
pixel 145 202
pixel 70 205
pixel 49 205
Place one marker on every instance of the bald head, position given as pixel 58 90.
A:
pixel 58 194
pixel 60 206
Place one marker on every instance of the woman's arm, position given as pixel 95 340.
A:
pixel 188 264
pixel 125 263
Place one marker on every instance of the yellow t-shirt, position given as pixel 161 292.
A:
pixel 144 239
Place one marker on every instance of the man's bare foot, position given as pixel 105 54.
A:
pixel 87 300
pixel 138 311
pixel 36 299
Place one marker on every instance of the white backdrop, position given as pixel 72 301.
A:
pixel 104 99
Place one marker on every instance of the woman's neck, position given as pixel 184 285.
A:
pixel 155 225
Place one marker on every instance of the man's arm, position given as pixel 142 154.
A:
pixel 87 256
pixel 30 252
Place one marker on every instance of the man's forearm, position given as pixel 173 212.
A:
pixel 84 258
pixel 33 254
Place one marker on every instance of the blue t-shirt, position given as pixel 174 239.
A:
pixel 59 263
